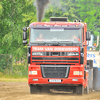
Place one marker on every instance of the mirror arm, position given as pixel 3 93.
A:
pixel 28 28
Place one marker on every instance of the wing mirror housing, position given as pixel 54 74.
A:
pixel 24 35
pixel 88 36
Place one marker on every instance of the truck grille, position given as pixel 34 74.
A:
pixel 55 71
pixel 56 57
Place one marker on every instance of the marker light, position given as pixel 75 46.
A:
pixel 35 25
pixel 76 25
pixel 74 79
pixel 35 79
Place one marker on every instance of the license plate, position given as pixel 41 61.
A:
pixel 54 80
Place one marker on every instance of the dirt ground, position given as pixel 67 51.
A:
pixel 20 91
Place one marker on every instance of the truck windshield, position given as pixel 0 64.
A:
pixel 56 34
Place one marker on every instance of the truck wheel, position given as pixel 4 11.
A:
pixel 74 90
pixel 39 89
pixel 80 90
pixel 45 89
pixel 33 89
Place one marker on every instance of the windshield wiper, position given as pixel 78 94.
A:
pixel 38 43
pixel 66 42
pixel 53 43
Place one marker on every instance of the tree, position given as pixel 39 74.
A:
pixel 89 12
pixel 12 24
pixel 66 8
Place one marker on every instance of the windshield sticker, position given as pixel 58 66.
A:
pixel 55 49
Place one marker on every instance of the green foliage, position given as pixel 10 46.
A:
pixel 12 23
pixel 88 11
pixel 11 30
pixel 20 70
pixel 66 9
pixel 9 68
pixel 1 8
pixel 30 15
pixel 16 14
pixel 5 62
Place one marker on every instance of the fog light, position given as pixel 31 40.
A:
pixel 74 79
pixel 35 79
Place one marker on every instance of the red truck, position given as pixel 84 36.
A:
pixel 57 55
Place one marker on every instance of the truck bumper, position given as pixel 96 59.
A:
pixel 73 81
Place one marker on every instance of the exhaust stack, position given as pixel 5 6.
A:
pixel 58 19
pixel 40 6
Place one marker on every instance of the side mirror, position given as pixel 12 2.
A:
pixel 24 33
pixel 88 36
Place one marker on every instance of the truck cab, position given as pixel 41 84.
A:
pixel 57 55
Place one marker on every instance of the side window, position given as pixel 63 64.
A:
pixel 83 34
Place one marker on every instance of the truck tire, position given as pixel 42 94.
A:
pixel 33 89
pixel 74 91
pixel 80 90
pixel 45 89
pixel 39 89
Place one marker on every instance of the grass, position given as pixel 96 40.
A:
pixel 3 79
pixel 13 78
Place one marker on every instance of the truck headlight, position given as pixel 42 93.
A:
pixel 32 72
pixel 77 72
